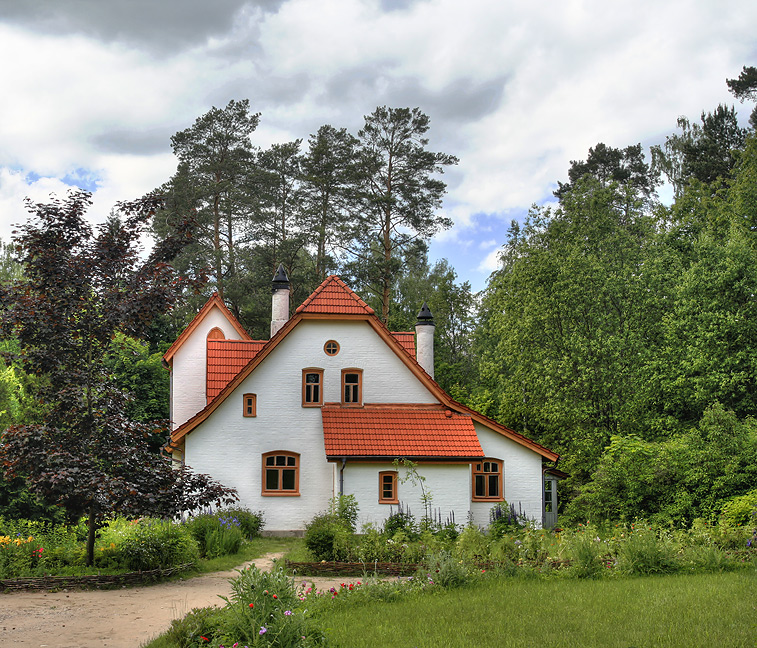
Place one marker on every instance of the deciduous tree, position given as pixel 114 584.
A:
pixel 82 287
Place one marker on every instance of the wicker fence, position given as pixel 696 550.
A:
pixel 96 581
pixel 351 569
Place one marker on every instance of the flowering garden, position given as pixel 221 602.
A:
pixel 37 549
pixel 462 564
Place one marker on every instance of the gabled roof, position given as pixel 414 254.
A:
pixel 214 302
pixel 334 297
pixel 226 358
pixel 392 431
pixel 407 340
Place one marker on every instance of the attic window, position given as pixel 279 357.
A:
pixel 216 334
pixel 331 348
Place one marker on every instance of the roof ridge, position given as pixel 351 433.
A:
pixel 347 292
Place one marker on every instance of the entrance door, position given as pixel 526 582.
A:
pixel 550 502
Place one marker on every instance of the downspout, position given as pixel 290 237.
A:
pixel 341 476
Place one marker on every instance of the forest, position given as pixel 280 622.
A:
pixel 618 330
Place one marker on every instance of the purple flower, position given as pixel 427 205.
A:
pixel 263 630
pixel 287 613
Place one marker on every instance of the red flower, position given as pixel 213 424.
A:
pixel 204 638
pixel 252 605
pixel 274 596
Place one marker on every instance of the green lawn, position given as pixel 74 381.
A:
pixel 666 611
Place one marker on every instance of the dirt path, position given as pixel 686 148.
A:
pixel 122 618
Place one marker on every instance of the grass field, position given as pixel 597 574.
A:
pixel 683 611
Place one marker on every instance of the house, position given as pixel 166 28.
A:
pixel 326 406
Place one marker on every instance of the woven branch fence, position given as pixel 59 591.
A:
pixel 96 581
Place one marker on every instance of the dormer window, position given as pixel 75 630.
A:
pixel 352 386
pixel 312 387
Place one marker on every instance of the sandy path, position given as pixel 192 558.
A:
pixel 121 618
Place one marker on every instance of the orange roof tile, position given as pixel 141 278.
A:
pixel 407 340
pixel 226 358
pixel 333 297
pixel 398 431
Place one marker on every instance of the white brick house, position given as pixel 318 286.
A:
pixel 327 404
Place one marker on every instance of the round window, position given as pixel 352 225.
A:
pixel 331 348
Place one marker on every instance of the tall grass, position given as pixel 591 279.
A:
pixel 685 611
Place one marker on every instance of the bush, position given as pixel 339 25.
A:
pixel 442 568
pixel 265 610
pixel 646 552
pixel 741 510
pixel 217 534
pixel 585 550
pixel 251 524
pixel 145 544
pixel 328 537
pixel 503 518
pixel 403 521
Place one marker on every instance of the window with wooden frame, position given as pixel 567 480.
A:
pixel 250 405
pixel 312 387
pixel 281 473
pixel 487 480
pixel 352 386
pixel 388 487
pixel 331 347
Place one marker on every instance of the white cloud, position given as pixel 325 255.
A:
pixel 514 91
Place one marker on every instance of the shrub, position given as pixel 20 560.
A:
pixel 251 524
pixel 585 550
pixel 403 521
pixel 346 509
pixel 328 537
pixel 444 570
pixel 472 545
pixel 741 510
pixel 646 552
pixel 503 518
pixel 265 610
pixel 217 534
pixel 147 543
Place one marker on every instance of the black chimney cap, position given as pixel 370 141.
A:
pixel 280 280
pixel 425 316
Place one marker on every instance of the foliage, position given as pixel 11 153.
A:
pixel 80 288
pixel 690 475
pixel 146 544
pixel 264 609
pixel 327 537
pixel 216 534
pixel 741 510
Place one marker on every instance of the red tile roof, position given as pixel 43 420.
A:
pixel 398 431
pixel 334 297
pixel 407 340
pixel 226 358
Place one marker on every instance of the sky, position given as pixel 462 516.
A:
pixel 92 90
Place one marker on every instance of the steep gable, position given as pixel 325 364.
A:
pixel 214 302
pixel 334 297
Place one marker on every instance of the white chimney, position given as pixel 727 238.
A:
pixel 424 340
pixel 280 300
